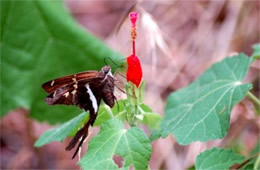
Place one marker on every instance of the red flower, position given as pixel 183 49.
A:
pixel 134 72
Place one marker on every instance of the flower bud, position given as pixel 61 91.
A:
pixel 134 72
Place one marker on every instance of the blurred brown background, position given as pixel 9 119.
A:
pixel 177 41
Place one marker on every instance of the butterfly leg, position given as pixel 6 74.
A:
pixel 82 134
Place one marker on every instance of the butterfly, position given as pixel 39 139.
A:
pixel 84 90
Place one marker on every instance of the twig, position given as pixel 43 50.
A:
pixel 255 100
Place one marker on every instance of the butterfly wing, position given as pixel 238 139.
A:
pixel 87 97
pixel 61 95
pixel 78 92
pixel 57 83
pixel 84 90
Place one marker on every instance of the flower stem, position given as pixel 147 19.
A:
pixel 255 100
pixel 135 105
pixel 133 47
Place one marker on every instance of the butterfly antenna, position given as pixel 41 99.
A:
pixel 106 59
pixel 120 75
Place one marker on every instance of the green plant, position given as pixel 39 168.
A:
pixel 208 100
pixel 199 112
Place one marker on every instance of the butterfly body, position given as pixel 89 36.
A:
pixel 85 90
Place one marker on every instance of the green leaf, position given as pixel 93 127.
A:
pixel 155 134
pixel 256 53
pixel 201 111
pixel 150 119
pixel 192 167
pixel 217 158
pixel 132 144
pixel 104 113
pixel 41 41
pixel 61 132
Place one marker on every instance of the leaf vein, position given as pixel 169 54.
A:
pixel 195 125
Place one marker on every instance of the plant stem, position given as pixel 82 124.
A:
pixel 257 162
pixel 255 100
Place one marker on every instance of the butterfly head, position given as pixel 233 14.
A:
pixel 107 71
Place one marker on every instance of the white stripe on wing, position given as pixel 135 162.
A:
pixel 92 98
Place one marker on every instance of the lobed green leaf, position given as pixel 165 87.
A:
pixel 61 132
pixel 155 134
pixel 113 139
pixel 201 111
pixel 150 119
pixel 217 158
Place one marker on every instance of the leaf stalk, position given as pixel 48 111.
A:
pixel 255 100
pixel 257 162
